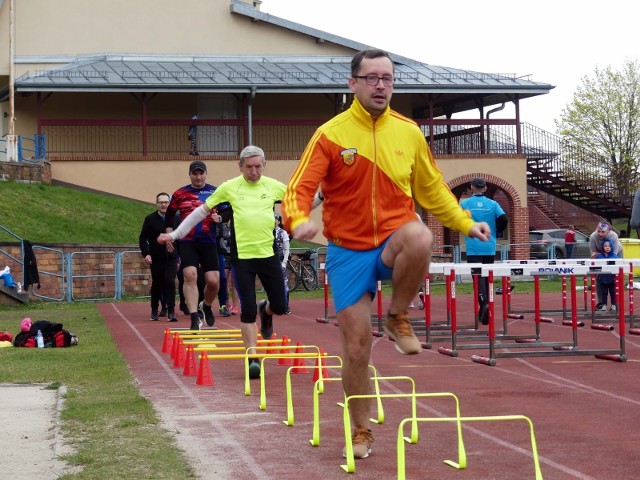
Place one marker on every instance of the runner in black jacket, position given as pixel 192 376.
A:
pixel 163 263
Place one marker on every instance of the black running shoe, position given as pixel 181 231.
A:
pixel 154 316
pixel 254 368
pixel 208 313
pixel 171 316
pixel 266 321
pixel 195 321
pixel 484 314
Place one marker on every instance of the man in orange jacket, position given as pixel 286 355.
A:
pixel 370 163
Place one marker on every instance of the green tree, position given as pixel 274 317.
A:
pixel 603 123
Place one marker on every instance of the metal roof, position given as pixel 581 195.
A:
pixel 272 73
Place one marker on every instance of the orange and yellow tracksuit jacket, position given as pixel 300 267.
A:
pixel 369 171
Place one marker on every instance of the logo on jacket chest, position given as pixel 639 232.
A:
pixel 348 156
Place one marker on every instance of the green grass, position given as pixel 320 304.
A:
pixel 115 432
pixel 47 214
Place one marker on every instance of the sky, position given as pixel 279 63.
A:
pixel 552 41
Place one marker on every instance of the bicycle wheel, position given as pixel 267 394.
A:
pixel 293 280
pixel 309 277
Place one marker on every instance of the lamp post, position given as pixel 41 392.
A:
pixel 12 139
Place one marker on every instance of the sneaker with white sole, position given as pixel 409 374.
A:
pixel 421 300
pixel 207 311
pixel 398 328
pixel 361 440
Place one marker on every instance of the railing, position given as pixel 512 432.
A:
pixel 30 149
pixel 111 274
pixel 577 165
pixel 283 139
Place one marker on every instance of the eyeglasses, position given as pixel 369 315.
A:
pixel 373 80
pixel 163 203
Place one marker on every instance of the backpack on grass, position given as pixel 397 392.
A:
pixel 53 334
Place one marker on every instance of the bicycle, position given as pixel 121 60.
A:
pixel 301 270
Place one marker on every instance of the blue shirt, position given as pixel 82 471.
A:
pixel 482 209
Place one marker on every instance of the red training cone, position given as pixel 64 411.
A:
pixel 190 363
pixel 285 361
pixel 204 371
pixel 174 345
pixel 178 361
pixel 166 343
pixel 299 363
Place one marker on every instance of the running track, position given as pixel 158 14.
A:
pixel 586 412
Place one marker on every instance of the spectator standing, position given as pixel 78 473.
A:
pixel 252 197
pixel 282 249
pixel 162 260
pixel 570 240
pixel 604 232
pixel 371 162
pixel 224 235
pixel 483 209
pixel 192 135
pixel 198 245
pixel 606 282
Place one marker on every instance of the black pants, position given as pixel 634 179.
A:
pixel 163 283
pixel 269 271
pixel 483 282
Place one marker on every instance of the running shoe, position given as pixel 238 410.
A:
pixel 266 321
pixel 398 328
pixel 207 311
pixel 195 322
pixel 254 368
pixel 224 311
pixel 361 441
pixel 421 300
pixel 484 314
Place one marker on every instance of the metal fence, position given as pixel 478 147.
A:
pixel 30 149
pixel 106 275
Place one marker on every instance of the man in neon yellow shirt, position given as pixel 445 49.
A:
pixel 251 197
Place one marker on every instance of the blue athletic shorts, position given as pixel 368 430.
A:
pixel 352 273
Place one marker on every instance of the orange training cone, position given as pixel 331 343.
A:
pixel 179 360
pixel 285 361
pixel 320 371
pixel 166 343
pixel 174 345
pixel 190 363
pixel 204 371
pixel 299 363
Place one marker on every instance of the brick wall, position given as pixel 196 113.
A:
pixel 27 172
pixel 94 267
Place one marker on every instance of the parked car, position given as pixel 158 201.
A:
pixel 541 239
